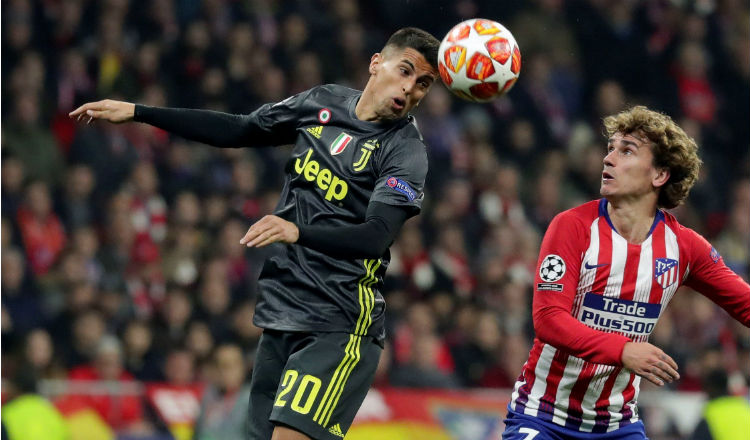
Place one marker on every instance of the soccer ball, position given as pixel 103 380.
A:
pixel 479 60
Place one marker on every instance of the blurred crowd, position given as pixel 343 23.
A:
pixel 120 243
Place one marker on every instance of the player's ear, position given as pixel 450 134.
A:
pixel 375 61
pixel 661 176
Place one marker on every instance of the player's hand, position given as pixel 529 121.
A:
pixel 649 362
pixel 108 110
pixel 270 229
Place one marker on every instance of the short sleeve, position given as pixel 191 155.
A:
pixel 402 172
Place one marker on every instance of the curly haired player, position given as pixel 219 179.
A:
pixel 607 270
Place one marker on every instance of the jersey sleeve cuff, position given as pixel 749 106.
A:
pixel 618 347
pixel 140 112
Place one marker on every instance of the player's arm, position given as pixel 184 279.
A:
pixel 396 197
pixel 271 124
pixel 366 240
pixel 555 325
pixel 713 279
pixel 553 298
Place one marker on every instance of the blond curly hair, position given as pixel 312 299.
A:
pixel 672 148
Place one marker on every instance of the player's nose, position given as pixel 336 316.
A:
pixel 408 86
pixel 609 159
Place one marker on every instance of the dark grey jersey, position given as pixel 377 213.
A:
pixel 338 166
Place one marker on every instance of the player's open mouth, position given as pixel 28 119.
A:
pixel 607 177
pixel 398 103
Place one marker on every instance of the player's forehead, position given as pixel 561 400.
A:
pixel 414 58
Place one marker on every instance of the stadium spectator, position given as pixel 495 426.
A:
pixel 475 356
pixel 42 232
pixel 224 406
pixel 200 342
pixel 173 319
pixel 179 367
pixel 20 298
pixel 244 333
pixel 39 356
pixel 119 408
pixel 140 357
pixel 27 138
pixel 86 331
pixel 420 370
pixel 13 176
pixel 76 206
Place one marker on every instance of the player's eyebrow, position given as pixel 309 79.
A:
pixel 425 76
pixel 611 140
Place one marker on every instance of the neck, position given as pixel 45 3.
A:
pixel 632 219
pixel 365 109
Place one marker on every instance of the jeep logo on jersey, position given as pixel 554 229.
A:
pixel 340 143
pixel 552 268
pixel 367 148
pixel 665 271
pixel 324 115
pixel 334 187
pixel 621 315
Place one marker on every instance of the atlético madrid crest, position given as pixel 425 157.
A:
pixel 666 271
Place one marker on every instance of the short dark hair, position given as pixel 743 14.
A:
pixel 417 39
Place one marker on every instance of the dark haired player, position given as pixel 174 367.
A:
pixel 355 175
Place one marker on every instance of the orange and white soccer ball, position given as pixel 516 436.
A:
pixel 479 60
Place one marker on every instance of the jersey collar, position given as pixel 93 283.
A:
pixel 659 217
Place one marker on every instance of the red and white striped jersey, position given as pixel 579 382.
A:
pixel 593 293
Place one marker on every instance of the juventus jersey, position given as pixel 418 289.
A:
pixel 339 165
pixel 594 292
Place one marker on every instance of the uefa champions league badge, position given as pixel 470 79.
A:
pixel 552 268
pixel 402 187
pixel 715 255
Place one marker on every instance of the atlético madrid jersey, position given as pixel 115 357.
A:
pixel 593 293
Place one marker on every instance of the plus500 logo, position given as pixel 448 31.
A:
pixel 334 187
pixel 621 315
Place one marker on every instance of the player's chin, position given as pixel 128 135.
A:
pixel 393 115
pixel 398 112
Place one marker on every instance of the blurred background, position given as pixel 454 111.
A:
pixel 127 302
